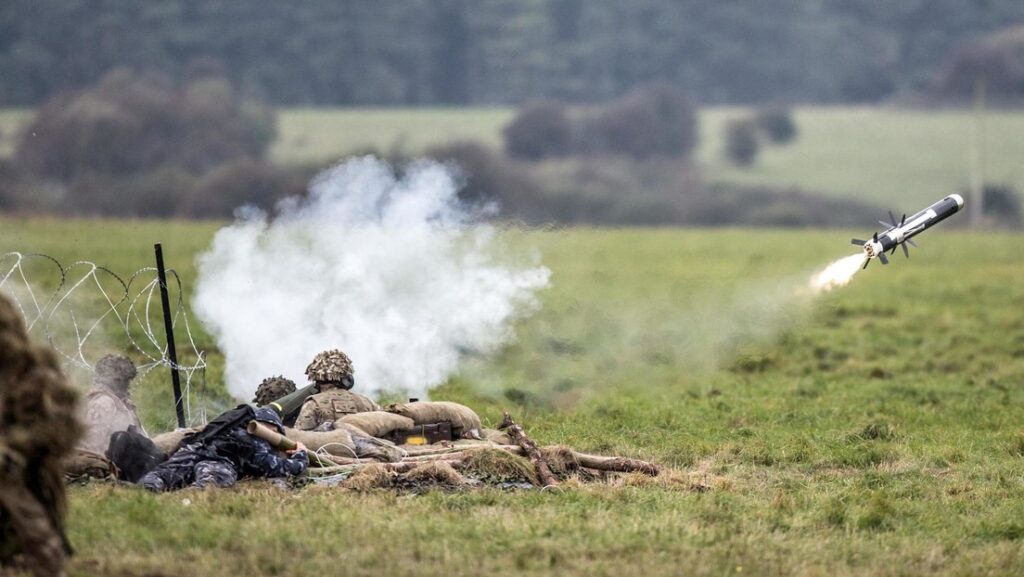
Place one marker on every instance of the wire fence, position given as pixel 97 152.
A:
pixel 84 310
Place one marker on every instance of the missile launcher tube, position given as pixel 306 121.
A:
pixel 290 404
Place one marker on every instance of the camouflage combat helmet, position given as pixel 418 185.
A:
pixel 331 366
pixel 272 389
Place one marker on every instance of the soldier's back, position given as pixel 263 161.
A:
pixel 331 405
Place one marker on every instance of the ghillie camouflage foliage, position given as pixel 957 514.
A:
pixel 273 388
pixel 38 429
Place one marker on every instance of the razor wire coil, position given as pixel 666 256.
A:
pixel 128 303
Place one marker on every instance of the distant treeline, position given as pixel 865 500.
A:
pixel 454 52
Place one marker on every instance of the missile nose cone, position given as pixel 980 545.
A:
pixel 959 200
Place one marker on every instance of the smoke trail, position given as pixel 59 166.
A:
pixel 711 330
pixel 394 271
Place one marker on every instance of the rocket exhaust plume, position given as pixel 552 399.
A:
pixel 838 273
pixel 393 270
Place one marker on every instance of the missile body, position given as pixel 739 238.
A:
pixel 898 234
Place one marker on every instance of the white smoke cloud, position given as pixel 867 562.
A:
pixel 392 270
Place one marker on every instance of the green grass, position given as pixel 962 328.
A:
pixel 11 121
pixel 876 430
pixel 319 135
pixel 900 158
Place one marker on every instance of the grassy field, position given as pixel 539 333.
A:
pixel 875 430
pixel 900 158
pixel 318 135
pixel 896 157
pixel 11 122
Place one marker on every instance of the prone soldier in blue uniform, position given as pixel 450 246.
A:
pixel 223 451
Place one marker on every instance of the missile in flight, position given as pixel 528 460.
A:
pixel 898 234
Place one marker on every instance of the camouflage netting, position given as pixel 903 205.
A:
pixel 495 466
pixel 433 474
pixel 272 389
pixel 38 429
pixel 332 365
pixel 371 477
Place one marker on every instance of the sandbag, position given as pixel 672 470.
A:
pixel 82 464
pixel 337 442
pixel 378 423
pixel 170 441
pixel 426 413
pixel 347 441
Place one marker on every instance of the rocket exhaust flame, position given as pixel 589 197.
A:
pixel 837 274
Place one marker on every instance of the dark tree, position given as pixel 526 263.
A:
pixel 488 177
pixel 741 145
pixel 777 124
pixel 540 130
pixel 132 123
pixel 450 58
pixel 653 121
pixel 996 59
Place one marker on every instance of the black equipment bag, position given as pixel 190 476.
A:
pixel 134 454
pixel 225 435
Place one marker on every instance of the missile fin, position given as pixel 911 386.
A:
pixel 906 252
pixel 912 243
pixel 858 241
pixel 883 258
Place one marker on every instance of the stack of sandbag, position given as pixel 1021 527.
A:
pixel 347 441
pixel 170 441
pixel 464 420
pixel 378 423
pixel 82 464
pixel 337 442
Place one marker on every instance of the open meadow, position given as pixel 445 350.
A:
pixel 877 429
pixel 894 157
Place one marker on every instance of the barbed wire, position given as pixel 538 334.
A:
pixel 69 326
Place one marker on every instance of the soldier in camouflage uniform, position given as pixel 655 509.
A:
pixel 108 404
pixel 223 451
pixel 332 373
pixel 38 428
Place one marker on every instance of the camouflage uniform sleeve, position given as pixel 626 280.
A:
pixel 308 418
pixel 267 464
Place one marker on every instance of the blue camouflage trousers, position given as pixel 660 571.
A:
pixel 191 465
